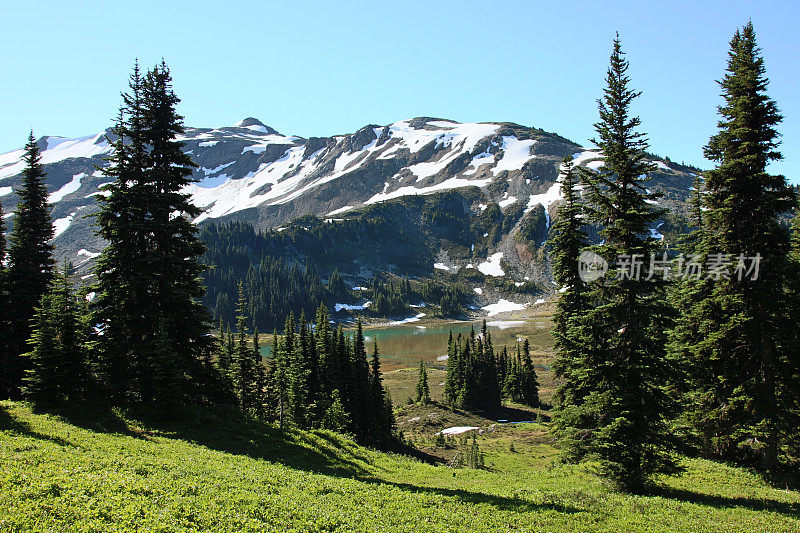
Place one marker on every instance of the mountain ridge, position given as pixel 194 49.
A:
pixel 249 172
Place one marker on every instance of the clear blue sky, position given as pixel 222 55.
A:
pixel 314 68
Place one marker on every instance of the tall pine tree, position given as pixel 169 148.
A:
pixel 4 310
pixel 30 257
pixel 743 363
pixel 149 274
pixel 568 240
pixel 623 408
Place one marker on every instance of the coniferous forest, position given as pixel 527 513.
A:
pixel 275 285
pixel 477 378
pixel 690 351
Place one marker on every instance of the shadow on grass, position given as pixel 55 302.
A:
pixel 786 478
pixel 503 503
pixel 419 455
pixel 9 423
pixel 515 414
pixel 725 502
pixel 229 431
pixel 98 419
pixel 319 452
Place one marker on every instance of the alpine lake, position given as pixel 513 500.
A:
pixel 406 344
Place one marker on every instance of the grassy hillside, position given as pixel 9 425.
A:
pixel 223 473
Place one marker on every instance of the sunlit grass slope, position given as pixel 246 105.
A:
pixel 219 472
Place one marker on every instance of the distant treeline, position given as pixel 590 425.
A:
pixel 274 286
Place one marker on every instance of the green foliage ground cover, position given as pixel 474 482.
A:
pixel 222 472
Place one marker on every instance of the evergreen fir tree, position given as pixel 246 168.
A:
pixel 302 397
pixel 259 377
pixel 530 387
pixel 4 311
pixel 452 381
pixel 381 425
pixel 224 356
pixel 150 267
pixel 361 414
pixel 323 348
pixel 567 242
pixel 30 257
pixel 280 378
pixel 423 391
pixel 244 370
pixel 790 375
pixel 335 417
pixel 743 376
pixel 58 370
pixel 622 408
pixel 119 290
pixel 41 383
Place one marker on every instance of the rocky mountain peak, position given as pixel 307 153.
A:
pixel 255 125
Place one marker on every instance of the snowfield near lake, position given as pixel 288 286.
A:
pixel 407 320
pixel 503 306
pixel 506 324
pixel 457 430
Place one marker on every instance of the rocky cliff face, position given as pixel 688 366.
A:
pixel 250 172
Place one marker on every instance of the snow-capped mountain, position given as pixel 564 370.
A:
pixel 251 172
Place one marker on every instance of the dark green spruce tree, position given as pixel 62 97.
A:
pixel 4 310
pixel 30 257
pixel 423 391
pixel 743 353
pixel 279 371
pixel 791 417
pixel 149 275
pixel 58 367
pixel 359 384
pixel 568 240
pixel 383 419
pixel 260 377
pixel 623 407
pixel 244 370
pixel 119 290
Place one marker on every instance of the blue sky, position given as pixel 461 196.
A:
pixel 314 68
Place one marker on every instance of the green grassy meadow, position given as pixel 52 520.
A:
pixel 218 471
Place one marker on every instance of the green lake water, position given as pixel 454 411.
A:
pixel 407 344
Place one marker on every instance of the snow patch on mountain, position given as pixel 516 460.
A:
pixel 507 202
pixel 341 210
pixel 57 149
pixel 60 225
pixel 464 136
pixel 66 189
pixel 451 183
pixel 546 199
pixel 491 267
pixel 515 154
